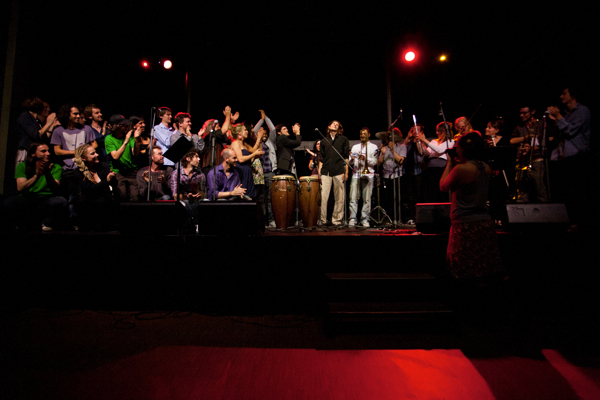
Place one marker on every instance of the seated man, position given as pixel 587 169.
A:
pixel 122 147
pixel 38 201
pixel 192 183
pixel 159 178
pixel 227 184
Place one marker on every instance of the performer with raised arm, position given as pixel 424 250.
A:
pixel 472 246
pixel 334 171
pixel 436 162
pixel 268 160
pixel 211 129
pixel 285 148
pixel 245 157
pixel 363 158
pixel 571 160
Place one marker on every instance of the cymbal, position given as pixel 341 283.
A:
pixel 387 135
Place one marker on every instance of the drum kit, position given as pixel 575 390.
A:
pixel 285 189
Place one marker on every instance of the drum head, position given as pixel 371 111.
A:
pixel 283 178
pixel 312 178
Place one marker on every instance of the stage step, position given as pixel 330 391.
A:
pixel 383 287
pixel 385 311
pixel 390 318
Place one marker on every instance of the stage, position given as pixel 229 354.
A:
pixel 94 315
pixel 271 272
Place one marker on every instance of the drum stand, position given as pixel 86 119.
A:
pixel 298 224
pixel 380 210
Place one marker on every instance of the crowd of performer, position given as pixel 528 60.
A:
pixel 74 167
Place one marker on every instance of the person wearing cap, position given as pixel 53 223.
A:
pixel 122 145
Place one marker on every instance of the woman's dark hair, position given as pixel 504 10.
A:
pixel 34 104
pixel 497 123
pixel 31 159
pixel 472 145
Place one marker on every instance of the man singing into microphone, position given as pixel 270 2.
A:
pixel 334 171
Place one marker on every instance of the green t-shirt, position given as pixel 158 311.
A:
pixel 124 163
pixel 40 188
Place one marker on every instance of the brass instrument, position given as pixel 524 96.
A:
pixel 366 170
pixel 524 164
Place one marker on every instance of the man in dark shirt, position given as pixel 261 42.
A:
pixel 285 148
pixel 158 179
pixel 334 171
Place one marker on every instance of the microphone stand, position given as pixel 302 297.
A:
pixel 544 156
pixel 397 168
pixel 345 223
pixel 213 160
pixel 448 133
pixel 152 118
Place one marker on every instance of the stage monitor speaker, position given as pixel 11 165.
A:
pixel 532 215
pixel 433 217
pixel 227 218
pixel 153 218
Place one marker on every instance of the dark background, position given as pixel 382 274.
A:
pixel 307 61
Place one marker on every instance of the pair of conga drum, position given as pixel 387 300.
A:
pixel 283 199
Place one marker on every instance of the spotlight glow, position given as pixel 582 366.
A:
pixel 410 56
pixel 145 64
pixel 443 57
pixel 167 64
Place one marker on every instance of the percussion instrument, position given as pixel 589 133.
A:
pixel 310 200
pixel 283 197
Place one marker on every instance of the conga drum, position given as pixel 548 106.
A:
pixel 283 198
pixel 310 200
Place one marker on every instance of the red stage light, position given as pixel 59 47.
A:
pixel 167 64
pixel 410 56
pixel 145 64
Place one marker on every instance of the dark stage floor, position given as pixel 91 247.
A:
pixel 134 316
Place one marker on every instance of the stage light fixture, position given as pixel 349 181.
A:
pixel 443 57
pixel 167 64
pixel 145 64
pixel 410 56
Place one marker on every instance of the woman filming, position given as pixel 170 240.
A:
pixel 472 245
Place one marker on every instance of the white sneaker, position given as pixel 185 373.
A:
pixel 410 222
pixel 352 222
pixel 46 228
pixel 272 224
pixel 366 224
